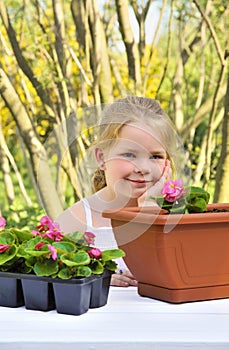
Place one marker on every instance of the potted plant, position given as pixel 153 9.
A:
pixel 45 269
pixel 178 250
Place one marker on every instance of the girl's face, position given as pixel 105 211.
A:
pixel 134 163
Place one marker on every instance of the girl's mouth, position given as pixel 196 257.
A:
pixel 138 181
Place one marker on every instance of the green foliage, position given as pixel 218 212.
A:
pixel 20 215
pixel 6 257
pixel 97 267
pixel 61 80
pixel 46 267
pixel 69 256
pixel 194 201
pixel 111 254
pixel 75 258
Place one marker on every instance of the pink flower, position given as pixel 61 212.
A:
pixel 89 237
pixel 4 247
pixel 46 223
pixel 39 245
pixel 34 232
pixel 49 234
pixel 54 235
pixel 95 253
pixel 45 220
pixel 49 229
pixel 56 226
pixel 173 190
pixel 53 251
pixel 2 221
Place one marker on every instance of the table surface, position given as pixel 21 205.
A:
pixel 128 321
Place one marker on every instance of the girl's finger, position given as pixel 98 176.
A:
pixel 122 281
pixel 123 278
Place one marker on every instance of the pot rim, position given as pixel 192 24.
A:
pixel 153 215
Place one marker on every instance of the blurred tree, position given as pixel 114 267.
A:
pixel 77 55
pixel 222 174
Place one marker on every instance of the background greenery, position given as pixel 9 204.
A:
pixel 61 59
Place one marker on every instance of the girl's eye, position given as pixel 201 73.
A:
pixel 156 156
pixel 128 155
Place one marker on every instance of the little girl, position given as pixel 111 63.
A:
pixel 136 152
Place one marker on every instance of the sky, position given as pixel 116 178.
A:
pixel 151 22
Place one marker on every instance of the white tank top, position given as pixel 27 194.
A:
pixel 104 236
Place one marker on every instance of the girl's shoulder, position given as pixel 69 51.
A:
pixel 77 208
pixel 73 218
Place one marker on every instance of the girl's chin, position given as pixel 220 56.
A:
pixel 136 196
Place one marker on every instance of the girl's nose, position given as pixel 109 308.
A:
pixel 142 167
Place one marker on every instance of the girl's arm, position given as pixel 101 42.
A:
pixel 73 219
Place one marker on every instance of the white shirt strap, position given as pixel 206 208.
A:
pixel 88 214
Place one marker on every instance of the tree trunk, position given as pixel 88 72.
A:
pixel 129 42
pixel 178 96
pixel 7 159
pixel 100 61
pixel 23 64
pixel 91 36
pixel 140 15
pixel 4 165
pixel 222 176
pixel 63 63
pixel 201 114
pixel 201 159
pixel 48 193
pixel 207 171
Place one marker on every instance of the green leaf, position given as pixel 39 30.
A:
pixel 30 261
pixel 179 209
pixel 33 242
pixel 22 235
pixel 44 251
pixel 112 254
pixel 8 255
pixel 162 202
pixel 7 238
pixel 84 271
pixel 197 200
pixel 110 265
pixel 197 205
pixel 64 274
pixel 21 252
pixel 64 247
pixel 30 250
pixel 47 267
pixel 75 259
pixel 74 237
pixel 193 190
pixel 97 267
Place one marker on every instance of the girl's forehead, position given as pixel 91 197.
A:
pixel 139 133
pixel 136 136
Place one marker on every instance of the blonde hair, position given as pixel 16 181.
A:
pixel 134 109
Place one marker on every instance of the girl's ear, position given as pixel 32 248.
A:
pixel 99 155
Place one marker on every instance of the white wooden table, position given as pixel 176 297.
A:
pixel 128 321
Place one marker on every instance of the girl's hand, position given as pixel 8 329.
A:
pixel 155 190
pixel 123 278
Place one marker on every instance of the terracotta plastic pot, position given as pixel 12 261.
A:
pixel 175 258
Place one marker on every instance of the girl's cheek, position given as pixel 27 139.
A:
pixel 159 168
pixel 160 164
